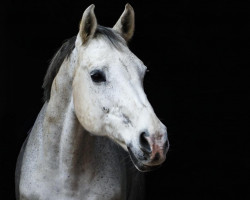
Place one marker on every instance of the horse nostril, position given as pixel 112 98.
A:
pixel 145 146
pixel 157 157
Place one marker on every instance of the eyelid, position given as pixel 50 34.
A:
pixel 94 71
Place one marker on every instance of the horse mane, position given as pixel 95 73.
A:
pixel 113 38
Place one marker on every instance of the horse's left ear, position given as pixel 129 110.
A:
pixel 88 24
pixel 125 26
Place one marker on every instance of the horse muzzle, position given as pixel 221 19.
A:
pixel 151 152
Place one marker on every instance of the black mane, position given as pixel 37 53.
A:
pixel 55 64
pixel 66 49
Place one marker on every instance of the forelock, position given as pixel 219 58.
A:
pixel 112 37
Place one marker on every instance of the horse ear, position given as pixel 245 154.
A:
pixel 88 24
pixel 126 24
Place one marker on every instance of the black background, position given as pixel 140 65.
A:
pixel 198 56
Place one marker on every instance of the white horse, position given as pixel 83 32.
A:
pixel 94 100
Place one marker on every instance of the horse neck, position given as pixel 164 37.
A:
pixel 63 136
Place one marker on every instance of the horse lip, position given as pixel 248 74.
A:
pixel 141 167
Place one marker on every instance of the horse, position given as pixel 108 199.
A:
pixel 96 132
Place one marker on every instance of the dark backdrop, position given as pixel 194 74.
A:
pixel 197 53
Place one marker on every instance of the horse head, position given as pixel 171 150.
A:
pixel 108 94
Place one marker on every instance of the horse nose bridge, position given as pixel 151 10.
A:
pixel 132 94
pixel 137 106
pixel 137 95
pixel 138 110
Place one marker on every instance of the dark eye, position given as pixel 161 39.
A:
pixel 97 76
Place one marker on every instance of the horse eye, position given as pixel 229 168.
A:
pixel 98 76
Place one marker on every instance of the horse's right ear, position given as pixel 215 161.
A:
pixel 88 24
pixel 126 24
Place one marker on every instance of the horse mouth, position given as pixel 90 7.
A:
pixel 139 165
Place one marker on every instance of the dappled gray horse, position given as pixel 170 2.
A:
pixel 95 116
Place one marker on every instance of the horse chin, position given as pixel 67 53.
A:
pixel 122 144
pixel 139 165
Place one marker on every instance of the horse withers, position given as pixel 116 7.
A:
pixel 95 116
